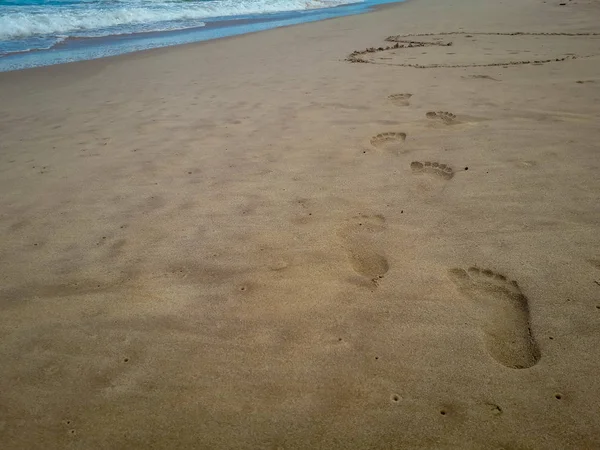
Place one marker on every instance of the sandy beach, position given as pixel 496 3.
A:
pixel 377 231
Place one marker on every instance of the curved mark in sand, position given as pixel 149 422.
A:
pixel 408 41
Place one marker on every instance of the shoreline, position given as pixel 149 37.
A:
pixel 161 50
pixel 211 30
pixel 251 242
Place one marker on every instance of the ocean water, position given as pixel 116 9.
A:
pixel 42 32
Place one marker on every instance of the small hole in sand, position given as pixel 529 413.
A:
pixel 442 412
pixel 377 357
pixel 550 337
pixel 243 288
pixel 126 360
pixel 466 168
pixel 340 339
pixel 557 396
pixel 395 397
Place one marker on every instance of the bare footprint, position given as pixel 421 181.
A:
pixel 365 224
pixel 390 141
pixel 359 240
pixel 447 117
pixel 434 168
pixel 400 99
pixel 504 315
pixel 366 261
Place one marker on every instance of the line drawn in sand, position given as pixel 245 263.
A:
pixel 528 43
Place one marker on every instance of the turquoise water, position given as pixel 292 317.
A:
pixel 44 32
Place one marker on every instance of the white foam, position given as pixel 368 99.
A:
pixel 22 25
pixel 44 21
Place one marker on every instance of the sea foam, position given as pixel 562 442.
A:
pixel 104 18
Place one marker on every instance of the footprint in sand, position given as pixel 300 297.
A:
pixel 366 261
pixel 434 168
pixel 504 315
pixel 400 99
pixel 446 117
pixel 595 263
pixel 359 241
pixel 390 141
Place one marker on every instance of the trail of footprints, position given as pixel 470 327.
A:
pixel 499 307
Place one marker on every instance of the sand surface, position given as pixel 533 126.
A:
pixel 255 243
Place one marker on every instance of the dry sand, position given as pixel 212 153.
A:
pixel 253 243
